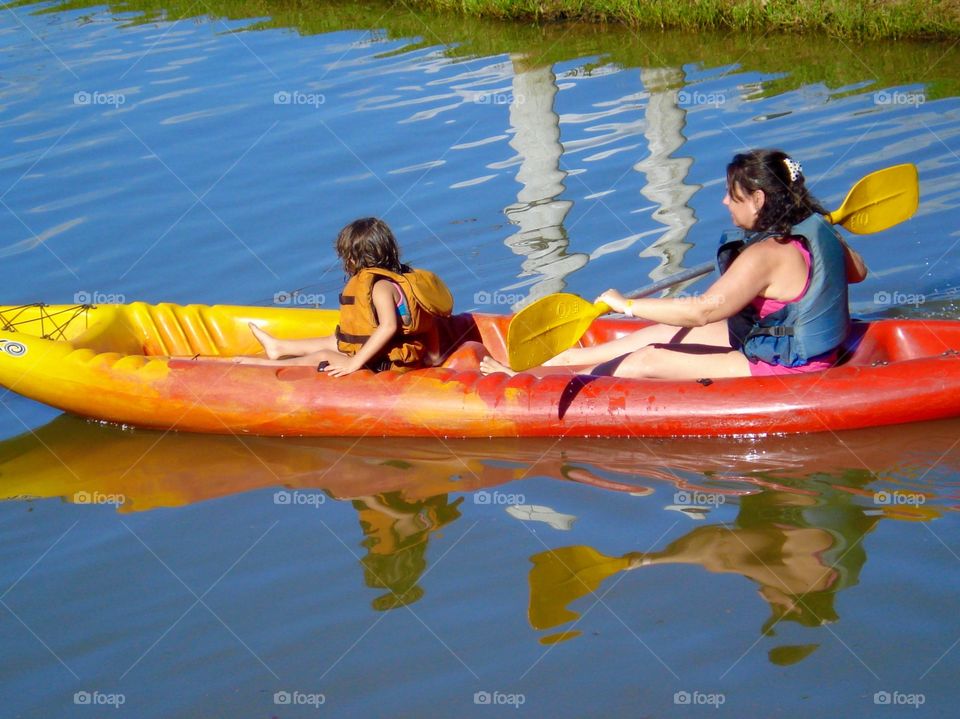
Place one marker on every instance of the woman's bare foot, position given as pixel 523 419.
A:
pixel 488 365
pixel 271 345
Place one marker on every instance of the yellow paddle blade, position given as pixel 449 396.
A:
pixel 561 576
pixel 548 326
pixel 880 200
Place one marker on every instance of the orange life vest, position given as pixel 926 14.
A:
pixel 416 341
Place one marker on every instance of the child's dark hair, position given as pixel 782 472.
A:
pixel 368 242
pixel 787 201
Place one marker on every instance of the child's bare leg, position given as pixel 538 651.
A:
pixel 311 359
pixel 275 348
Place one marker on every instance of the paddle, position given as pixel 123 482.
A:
pixel 551 324
pixel 561 576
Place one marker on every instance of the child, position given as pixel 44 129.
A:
pixel 388 312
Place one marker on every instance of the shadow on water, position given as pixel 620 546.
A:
pixel 803 504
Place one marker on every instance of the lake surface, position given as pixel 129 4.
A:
pixel 148 152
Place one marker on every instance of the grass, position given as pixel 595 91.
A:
pixel 854 19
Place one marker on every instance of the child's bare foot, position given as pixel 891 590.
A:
pixel 271 345
pixel 488 365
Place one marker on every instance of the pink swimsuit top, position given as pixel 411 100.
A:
pixel 766 306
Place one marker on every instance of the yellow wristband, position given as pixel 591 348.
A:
pixel 628 310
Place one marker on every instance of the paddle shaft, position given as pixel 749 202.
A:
pixel 705 269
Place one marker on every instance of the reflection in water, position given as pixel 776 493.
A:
pixel 396 533
pixel 664 121
pixel 666 173
pixel 800 549
pixel 802 514
pixel 538 212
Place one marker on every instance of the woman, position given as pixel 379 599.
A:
pixel 779 306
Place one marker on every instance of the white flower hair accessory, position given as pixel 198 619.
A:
pixel 794 168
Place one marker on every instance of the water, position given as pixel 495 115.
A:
pixel 213 158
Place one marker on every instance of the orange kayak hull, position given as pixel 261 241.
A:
pixel 170 367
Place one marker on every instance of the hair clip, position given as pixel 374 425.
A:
pixel 794 168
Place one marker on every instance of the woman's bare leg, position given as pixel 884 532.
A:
pixel 678 362
pixel 583 360
pixel 714 333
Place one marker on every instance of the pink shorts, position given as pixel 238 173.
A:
pixel 817 364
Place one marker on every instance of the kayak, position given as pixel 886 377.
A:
pixel 170 367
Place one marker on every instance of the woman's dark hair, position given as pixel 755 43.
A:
pixel 368 242
pixel 787 201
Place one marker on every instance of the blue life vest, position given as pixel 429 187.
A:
pixel 815 324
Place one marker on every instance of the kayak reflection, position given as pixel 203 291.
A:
pixel 802 513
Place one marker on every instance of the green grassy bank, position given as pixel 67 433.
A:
pixel 857 19
pixel 839 65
